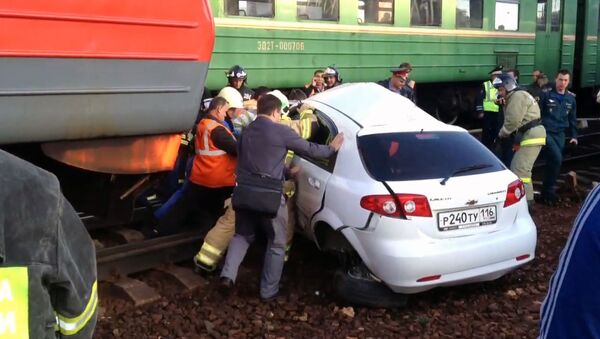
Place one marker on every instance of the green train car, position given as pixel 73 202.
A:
pixel 452 44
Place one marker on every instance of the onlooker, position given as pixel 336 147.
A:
pixel 332 77
pixel 237 78
pixel 253 162
pixel 559 113
pixel 317 84
pixel 489 109
pixel 48 285
pixel 397 83
pixel 521 117
pixel 513 72
pixel 571 308
pixel 406 68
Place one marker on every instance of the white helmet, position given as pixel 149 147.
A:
pixel 233 97
pixel 285 104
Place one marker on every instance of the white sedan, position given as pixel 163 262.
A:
pixel 410 202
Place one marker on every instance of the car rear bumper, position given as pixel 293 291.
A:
pixel 401 263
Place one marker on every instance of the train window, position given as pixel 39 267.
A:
pixel 318 9
pixel 507 15
pixel 555 18
pixel 376 11
pixel 541 16
pixel 469 13
pixel 257 8
pixel 426 12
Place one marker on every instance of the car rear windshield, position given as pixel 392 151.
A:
pixel 426 155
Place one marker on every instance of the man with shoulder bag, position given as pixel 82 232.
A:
pixel 258 198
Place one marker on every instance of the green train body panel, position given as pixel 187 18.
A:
pixel 283 52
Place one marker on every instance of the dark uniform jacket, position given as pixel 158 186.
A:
pixel 47 259
pixel 559 112
pixel 405 91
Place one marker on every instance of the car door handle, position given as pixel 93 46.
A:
pixel 314 182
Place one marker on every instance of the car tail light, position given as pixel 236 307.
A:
pixel 429 278
pixel 411 205
pixel 514 193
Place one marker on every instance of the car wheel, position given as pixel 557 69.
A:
pixel 356 286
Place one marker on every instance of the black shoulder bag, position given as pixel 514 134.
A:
pixel 258 193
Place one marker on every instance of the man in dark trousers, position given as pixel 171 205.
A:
pixel 572 306
pixel 47 259
pixel 262 150
pixel 559 113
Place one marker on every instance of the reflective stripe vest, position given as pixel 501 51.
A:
pixel 212 167
pixel 489 104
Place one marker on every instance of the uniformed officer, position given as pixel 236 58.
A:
pixel 332 77
pixel 48 283
pixel 489 110
pixel 237 78
pixel 522 121
pixel 559 113
pixel 399 83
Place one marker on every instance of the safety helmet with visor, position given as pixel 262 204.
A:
pixel 236 72
pixel 233 97
pixel 285 104
pixel 506 81
pixel 331 71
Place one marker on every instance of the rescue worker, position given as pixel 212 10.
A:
pixel 266 133
pixel 488 109
pixel 212 175
pixel 570 309
pixel 238 78
pixel 398 83
pixel 48 283
pixel 521 120
pixel 539 86
pixel 217 239
pixel 332 77
pixel 559 113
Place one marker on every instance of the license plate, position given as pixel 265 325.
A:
pixel 466 218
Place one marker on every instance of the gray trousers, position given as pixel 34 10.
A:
pixel 246 225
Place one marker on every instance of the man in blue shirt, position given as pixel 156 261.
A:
pixel 558 109
pixel 572 307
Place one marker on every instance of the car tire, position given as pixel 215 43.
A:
pixel 365 292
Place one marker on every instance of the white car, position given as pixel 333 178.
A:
pixel 412 203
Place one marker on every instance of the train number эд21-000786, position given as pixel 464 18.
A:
pixel 271 45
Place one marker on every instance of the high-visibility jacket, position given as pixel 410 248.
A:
pixel 48 283
pixel 489 100
pixel 212 167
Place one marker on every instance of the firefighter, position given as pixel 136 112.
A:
pixel 217 239
pixel 559 113
pixel 238 78
pixel 489 110
pixel 332 77
pixel 48 283
pixel 522 121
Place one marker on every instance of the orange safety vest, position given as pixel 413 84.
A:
pixel 212 167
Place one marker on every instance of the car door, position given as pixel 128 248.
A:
pixel 312 179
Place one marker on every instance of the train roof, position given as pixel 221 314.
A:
pixel 370 105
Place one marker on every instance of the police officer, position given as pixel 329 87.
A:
pixel 48 283
pixel 559 113
pixel 332 77
pixel 521 120
pixel 237 78
pixel 399 83
pixel 488 109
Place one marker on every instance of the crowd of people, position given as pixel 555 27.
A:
pixel 518 122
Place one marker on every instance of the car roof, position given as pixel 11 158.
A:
pixel 371 105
